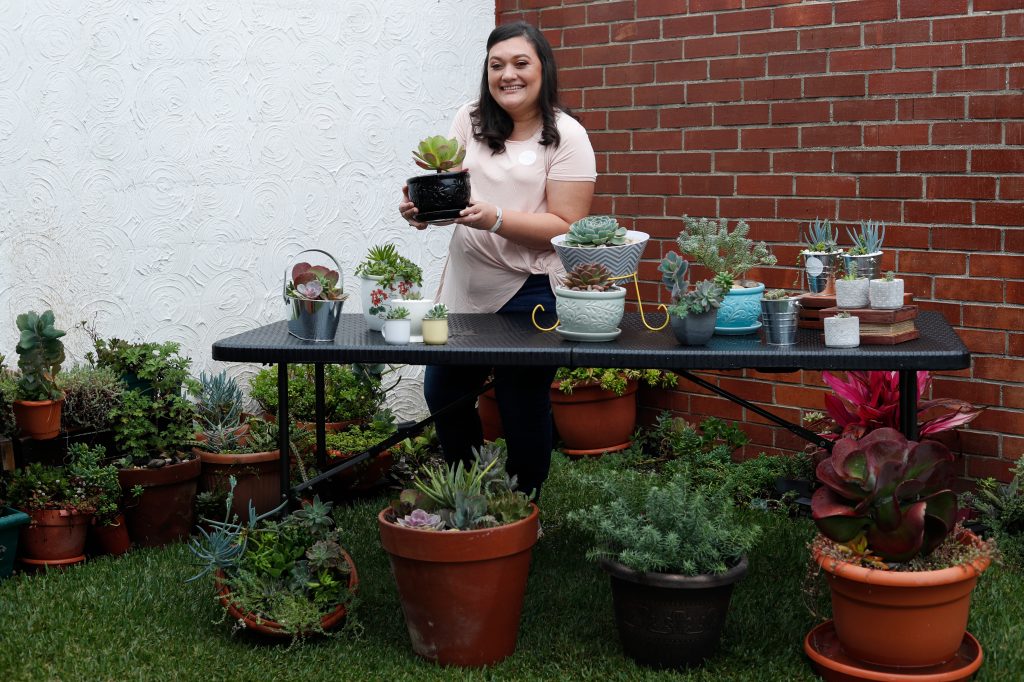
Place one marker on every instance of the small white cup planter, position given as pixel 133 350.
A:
pixel 396 332
pixel 842 332
pixel 852 293
pixel 590 312
pixel 885 294
pixel 417 309
pixel 435 332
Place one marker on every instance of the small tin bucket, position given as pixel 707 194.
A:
pixel 313 320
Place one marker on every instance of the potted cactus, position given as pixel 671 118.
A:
pixel 729 255
pixel 385 274
pixel 851 288
pixel 842 330
pixel 37 409
pixel 692 312
pixel 600 239
pixel 435 325
pixel 589 306
pixel 821 254
pixel 866 252
pixel 441 196
pixel 901 572
pixel 886 293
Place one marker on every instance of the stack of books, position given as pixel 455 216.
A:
pixel 882 327
pixel 811 307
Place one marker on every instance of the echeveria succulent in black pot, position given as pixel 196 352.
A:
pixel 443 195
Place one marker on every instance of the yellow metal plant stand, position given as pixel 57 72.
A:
pixel 643 318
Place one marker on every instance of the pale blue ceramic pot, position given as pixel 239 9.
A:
pixel 741 308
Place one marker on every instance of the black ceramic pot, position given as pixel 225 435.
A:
pixel 439 196
pixel 667 620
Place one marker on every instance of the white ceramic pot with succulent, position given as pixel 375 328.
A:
pixel 692 312
pixel 886 293
pixel 842 330
pixel 866 253
pixel 852 290
pixel 396 328
pixel 821 256
pixel 600 239
pixel 385 274
pixel 435 325
pixel 417 307
pixel 589 306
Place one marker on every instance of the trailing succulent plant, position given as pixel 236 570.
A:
pixel 712 245
pixel 439 153
pixel 886 495
pixel 821 237
pixel 588 277
pixel 869 239
pixel 40 354
pixel 596 230
pixel 438 311
pixel 315 283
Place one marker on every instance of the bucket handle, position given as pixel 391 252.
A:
pixel 287 270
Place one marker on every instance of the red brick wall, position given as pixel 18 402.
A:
pixel 778 112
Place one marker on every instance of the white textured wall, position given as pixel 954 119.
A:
pixel 161 161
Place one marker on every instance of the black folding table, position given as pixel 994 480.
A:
pixel 490 339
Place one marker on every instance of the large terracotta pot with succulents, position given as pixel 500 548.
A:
pixel 39 403
pixel 442 195
pixel 883 503
pixel 461 567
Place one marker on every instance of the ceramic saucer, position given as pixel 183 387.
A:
pixel 738 331
pixel 830 661
pixel 588 336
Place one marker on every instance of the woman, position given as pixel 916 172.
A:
pixel 532 171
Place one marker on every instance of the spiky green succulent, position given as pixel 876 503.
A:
pixel 588 277
pixel 821 237
pixel 439 153
pixel 869 239
pixel 596 230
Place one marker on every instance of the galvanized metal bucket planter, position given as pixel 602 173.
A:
pixel 313 320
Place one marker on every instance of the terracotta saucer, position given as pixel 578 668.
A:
pixel 833 664
pixel 37 564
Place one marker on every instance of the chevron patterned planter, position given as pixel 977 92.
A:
pixel 622 261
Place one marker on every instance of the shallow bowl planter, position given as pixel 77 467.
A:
pixel 439 196
pixel 902 619
pixel 592 421
pixel 621 261
pixel 667 620
pixel 885 294
pixel 820 268
pixel 740 308
pixel 164 512
pixel 590 312
pixel 694 329
pixel 461 592
pixel 852 293
pixel 842 332
pixel 38 419
pixel 373 298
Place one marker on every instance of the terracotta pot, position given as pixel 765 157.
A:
pixel 592 421
pixel 363 476
pixel 39 419
pixel 903 619
pixel 113 539
pixel 667 620
pixel 490 417
pixel 461 592
pixel 257 476
pixel 272 628
pixel 331 427
pixel 164 512
pixel 55 535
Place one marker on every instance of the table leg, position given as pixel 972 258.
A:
pixel 283 438
pixel 321 408
pixel 908 403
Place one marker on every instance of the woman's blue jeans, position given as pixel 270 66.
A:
pixel 524 402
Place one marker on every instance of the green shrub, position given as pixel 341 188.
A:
pixel 350 391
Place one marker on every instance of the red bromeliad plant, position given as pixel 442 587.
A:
pixel 888 491
pixel 866 401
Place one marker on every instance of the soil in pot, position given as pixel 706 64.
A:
pixel 164 511
pixel 592 421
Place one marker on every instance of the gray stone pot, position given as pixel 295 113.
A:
pixel 885 294
pixel 852 293
pixel 842 332
pixel 694 330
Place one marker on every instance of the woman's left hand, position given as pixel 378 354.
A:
pixel 479 215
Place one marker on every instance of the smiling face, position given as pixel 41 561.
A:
pixel 514 76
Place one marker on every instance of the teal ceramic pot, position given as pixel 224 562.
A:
pixel 741 308
pixel 11 521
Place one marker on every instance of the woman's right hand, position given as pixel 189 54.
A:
pixel 408 210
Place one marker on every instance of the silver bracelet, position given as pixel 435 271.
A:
pixel 497 224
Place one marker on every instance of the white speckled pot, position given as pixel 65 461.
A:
pixel 885 294
pixel 590 312
pixel 842 332
pixel 852 293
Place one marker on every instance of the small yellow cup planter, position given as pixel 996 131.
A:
pixel 435 332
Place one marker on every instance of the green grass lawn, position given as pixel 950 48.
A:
pixel 135 618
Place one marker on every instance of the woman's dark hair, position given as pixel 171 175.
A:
pixel 491 123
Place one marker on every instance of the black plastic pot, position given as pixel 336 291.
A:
pixel 667 620
pixel 439 196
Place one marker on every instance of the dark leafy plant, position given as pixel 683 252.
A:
pixel 91 394
pixel 887 491
pixel 1000 506
pixel 351 391
pixel 611 379
pixel 40 354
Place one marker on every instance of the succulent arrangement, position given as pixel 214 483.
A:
pixel 40 354
pixel 885 496
pixel 820 237
pixel 439 153
pixel 588 277
pixel 437 312
pixel 597 230
pixel 868 239
pixel 712 245
pixel 705 296
pixel 461 498
pixel 611 379
pixel 315 283
pixel 890 276
pixel 392 268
